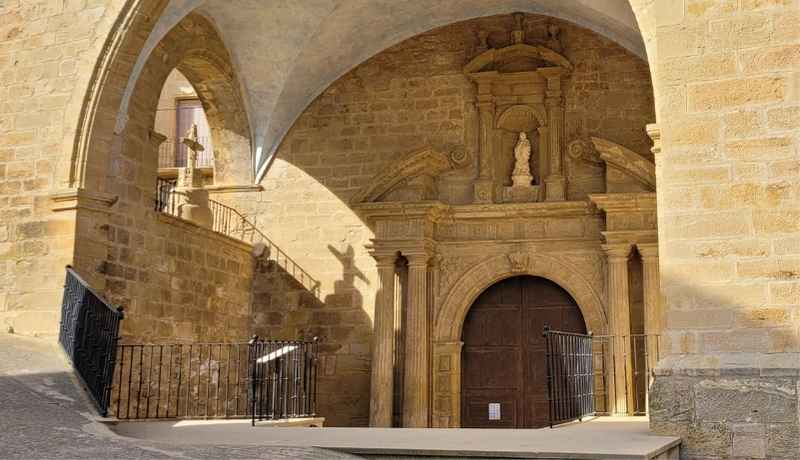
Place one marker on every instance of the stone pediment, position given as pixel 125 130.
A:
pixel 416 170
pixel 495 58
pixel 627 161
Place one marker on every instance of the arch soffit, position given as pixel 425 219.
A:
pixel 450 319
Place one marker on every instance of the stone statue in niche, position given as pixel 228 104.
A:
pixel 522 188
pixel 522 168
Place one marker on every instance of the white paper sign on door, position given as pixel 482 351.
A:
pixel 494 411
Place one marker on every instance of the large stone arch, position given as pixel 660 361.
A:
pixel 455 306
pixel 195 48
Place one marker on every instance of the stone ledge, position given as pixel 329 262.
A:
pixel 192 227
pixel 234 188
pixel 79 198
pixel 731 365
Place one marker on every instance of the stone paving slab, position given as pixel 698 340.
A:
pixel 601 438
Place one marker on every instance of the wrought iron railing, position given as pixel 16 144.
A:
pixel 283 378
pixel 173 154
pixel 181 380
pixel 261 379
pixel 582 374
pixel 88 333
pixel 230 222
pixel 635 356
pixel 570 376
pixel 166 201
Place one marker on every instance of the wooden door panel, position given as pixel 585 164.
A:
pixel 492 368
pixel 534 319
pixel 504 353
pixel 493 327
pixel 475 409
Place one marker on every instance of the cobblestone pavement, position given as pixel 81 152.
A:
pixel 45 415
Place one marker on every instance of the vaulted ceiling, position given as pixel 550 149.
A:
pixel 288 51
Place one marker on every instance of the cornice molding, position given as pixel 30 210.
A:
pixel 614 203
pixel 233 188
pixel 78 198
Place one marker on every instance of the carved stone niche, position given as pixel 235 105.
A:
pixel 519 91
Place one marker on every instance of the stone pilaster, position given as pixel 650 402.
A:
pixel 382 384
pixel 652 300
pixel 621 396
pixel 415 382
pixel 484 185
pixel 555 182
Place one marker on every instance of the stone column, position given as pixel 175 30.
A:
pixel 621 397
pixel 415 382
pixel 652 301
pixel 484 185
pixel 382 384
pixel 555 182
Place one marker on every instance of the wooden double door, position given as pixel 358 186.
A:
pixel 504 369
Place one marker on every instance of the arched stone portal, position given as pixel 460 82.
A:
pixel 449 323
pixel 504 360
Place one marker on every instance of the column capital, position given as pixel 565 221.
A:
pixel 417 258
pixel 617 251
pixel 649 251
pixel 384 259
pixel 484 105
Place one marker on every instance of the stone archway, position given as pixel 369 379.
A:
pixel 448 323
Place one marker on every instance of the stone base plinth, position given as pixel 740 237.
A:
pixel 728 413
pixel 521 194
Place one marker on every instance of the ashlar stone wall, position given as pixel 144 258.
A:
pixel 729 217
pixel 409 96
pixel 47 55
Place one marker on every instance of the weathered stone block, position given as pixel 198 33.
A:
pixel 747 400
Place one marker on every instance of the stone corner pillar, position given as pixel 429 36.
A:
pixel 620 392
pixel 653 315
pixel 382 377
pixel 415 381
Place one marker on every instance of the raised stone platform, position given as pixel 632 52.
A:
pixel 601 438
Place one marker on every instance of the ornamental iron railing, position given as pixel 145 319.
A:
pixel 283 378
pixel 230 222
pixel 88 333
pixel 260 379
pixel 173 154
pixel 582 374
pixel 570 376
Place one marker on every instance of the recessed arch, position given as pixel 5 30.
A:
pixel 450 319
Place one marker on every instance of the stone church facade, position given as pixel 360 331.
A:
pixel 650 193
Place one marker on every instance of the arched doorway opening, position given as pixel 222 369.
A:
pixel 503 356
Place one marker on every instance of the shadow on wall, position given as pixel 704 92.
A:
pixel 284 309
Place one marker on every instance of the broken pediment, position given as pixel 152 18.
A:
pixel 627 162
pixel 410 178
pixel 626 170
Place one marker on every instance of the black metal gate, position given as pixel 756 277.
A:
pixel 570 376
pixel 283 377
pixel 88 333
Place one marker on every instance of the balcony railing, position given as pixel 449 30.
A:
pixel 172 154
